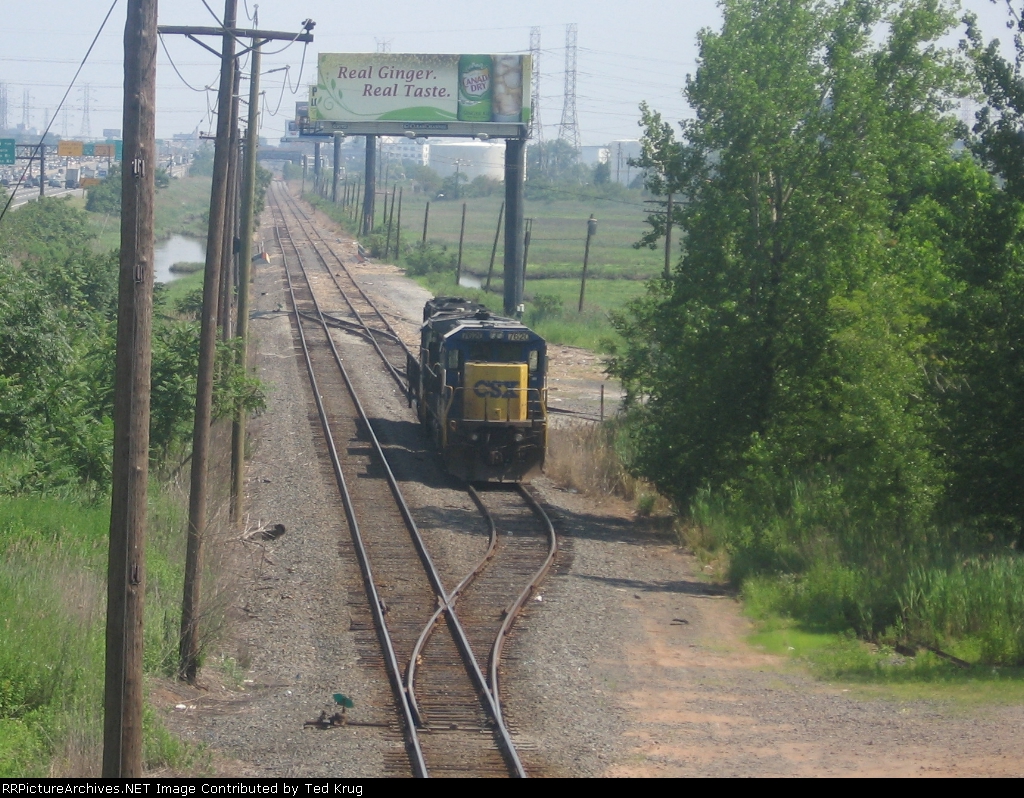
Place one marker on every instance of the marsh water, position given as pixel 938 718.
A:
pixel 176 249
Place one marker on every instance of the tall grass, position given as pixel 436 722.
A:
pixel 978 603
pixel 814 562
pixel 53 554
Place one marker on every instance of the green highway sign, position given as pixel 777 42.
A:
pixel 6 151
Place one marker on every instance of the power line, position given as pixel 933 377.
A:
pixel 176 70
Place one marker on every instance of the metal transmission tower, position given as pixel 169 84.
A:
pixel 3 106
pixel 26 109
pixel 569 127
pixel 383 45
pixel 536 128
pixel 65 118
pixel 86 130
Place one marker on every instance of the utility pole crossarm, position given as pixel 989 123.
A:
pixel 238 33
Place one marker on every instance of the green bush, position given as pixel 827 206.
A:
pixel 541 307
pixel 431 257
pixel 106 197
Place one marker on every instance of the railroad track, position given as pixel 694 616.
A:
pixel 369 320
pixel 442 650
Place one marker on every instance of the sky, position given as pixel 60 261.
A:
pixel 628 51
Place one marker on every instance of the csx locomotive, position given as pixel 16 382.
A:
pixel 480 387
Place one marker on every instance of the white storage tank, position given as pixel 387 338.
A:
pixel 470 158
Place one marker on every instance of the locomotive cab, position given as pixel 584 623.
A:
pixel 481 389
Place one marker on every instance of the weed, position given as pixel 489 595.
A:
pixel 645 504
pixel 423 259
pixel 161 749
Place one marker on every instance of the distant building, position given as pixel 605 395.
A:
pixel 401 148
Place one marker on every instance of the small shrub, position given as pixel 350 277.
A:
pixel 186 267
pixel 190 306
pixel 375 242
pixel 543 307
pixel 645 504
pixel 431 257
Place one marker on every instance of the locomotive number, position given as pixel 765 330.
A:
pixel 496 389
pixel 518 336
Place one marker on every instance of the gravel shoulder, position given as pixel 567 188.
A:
pixel 626 663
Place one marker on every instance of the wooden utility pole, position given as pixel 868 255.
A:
pixel 188 663
pixel 668 239
pixel 244 275
pixel 398 230
pixel 190 607
pixel 526 254
pixel 462 235
pixel 390 220
pixel 426 220
pixel 494 249
pixel 591 230
pixel 227 255
pixel 126 569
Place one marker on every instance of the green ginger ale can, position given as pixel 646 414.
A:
pixel 475 89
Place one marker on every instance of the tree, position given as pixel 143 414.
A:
pixel 789 344
pixel 983 323
pixel 451 186
pixel 555 162
pixel 106 197
pixel 427 178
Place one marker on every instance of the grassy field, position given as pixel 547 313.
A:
pixel 181 209
pixel 52 588
pixel 616 271
pixel 876 671
pixel 557 239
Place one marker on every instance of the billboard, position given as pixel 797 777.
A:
pixel 409 87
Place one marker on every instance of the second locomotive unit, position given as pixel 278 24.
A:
pixel 480 387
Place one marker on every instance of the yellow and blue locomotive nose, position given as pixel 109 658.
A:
pixel 495 392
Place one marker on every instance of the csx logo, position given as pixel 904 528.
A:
pixel 496 389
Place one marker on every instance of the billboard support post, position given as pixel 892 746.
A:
pixel 515 174
pixel 370 187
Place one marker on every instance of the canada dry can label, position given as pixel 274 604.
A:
pixel 475 88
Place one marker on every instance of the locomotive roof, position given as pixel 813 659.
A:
pixel 447 322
